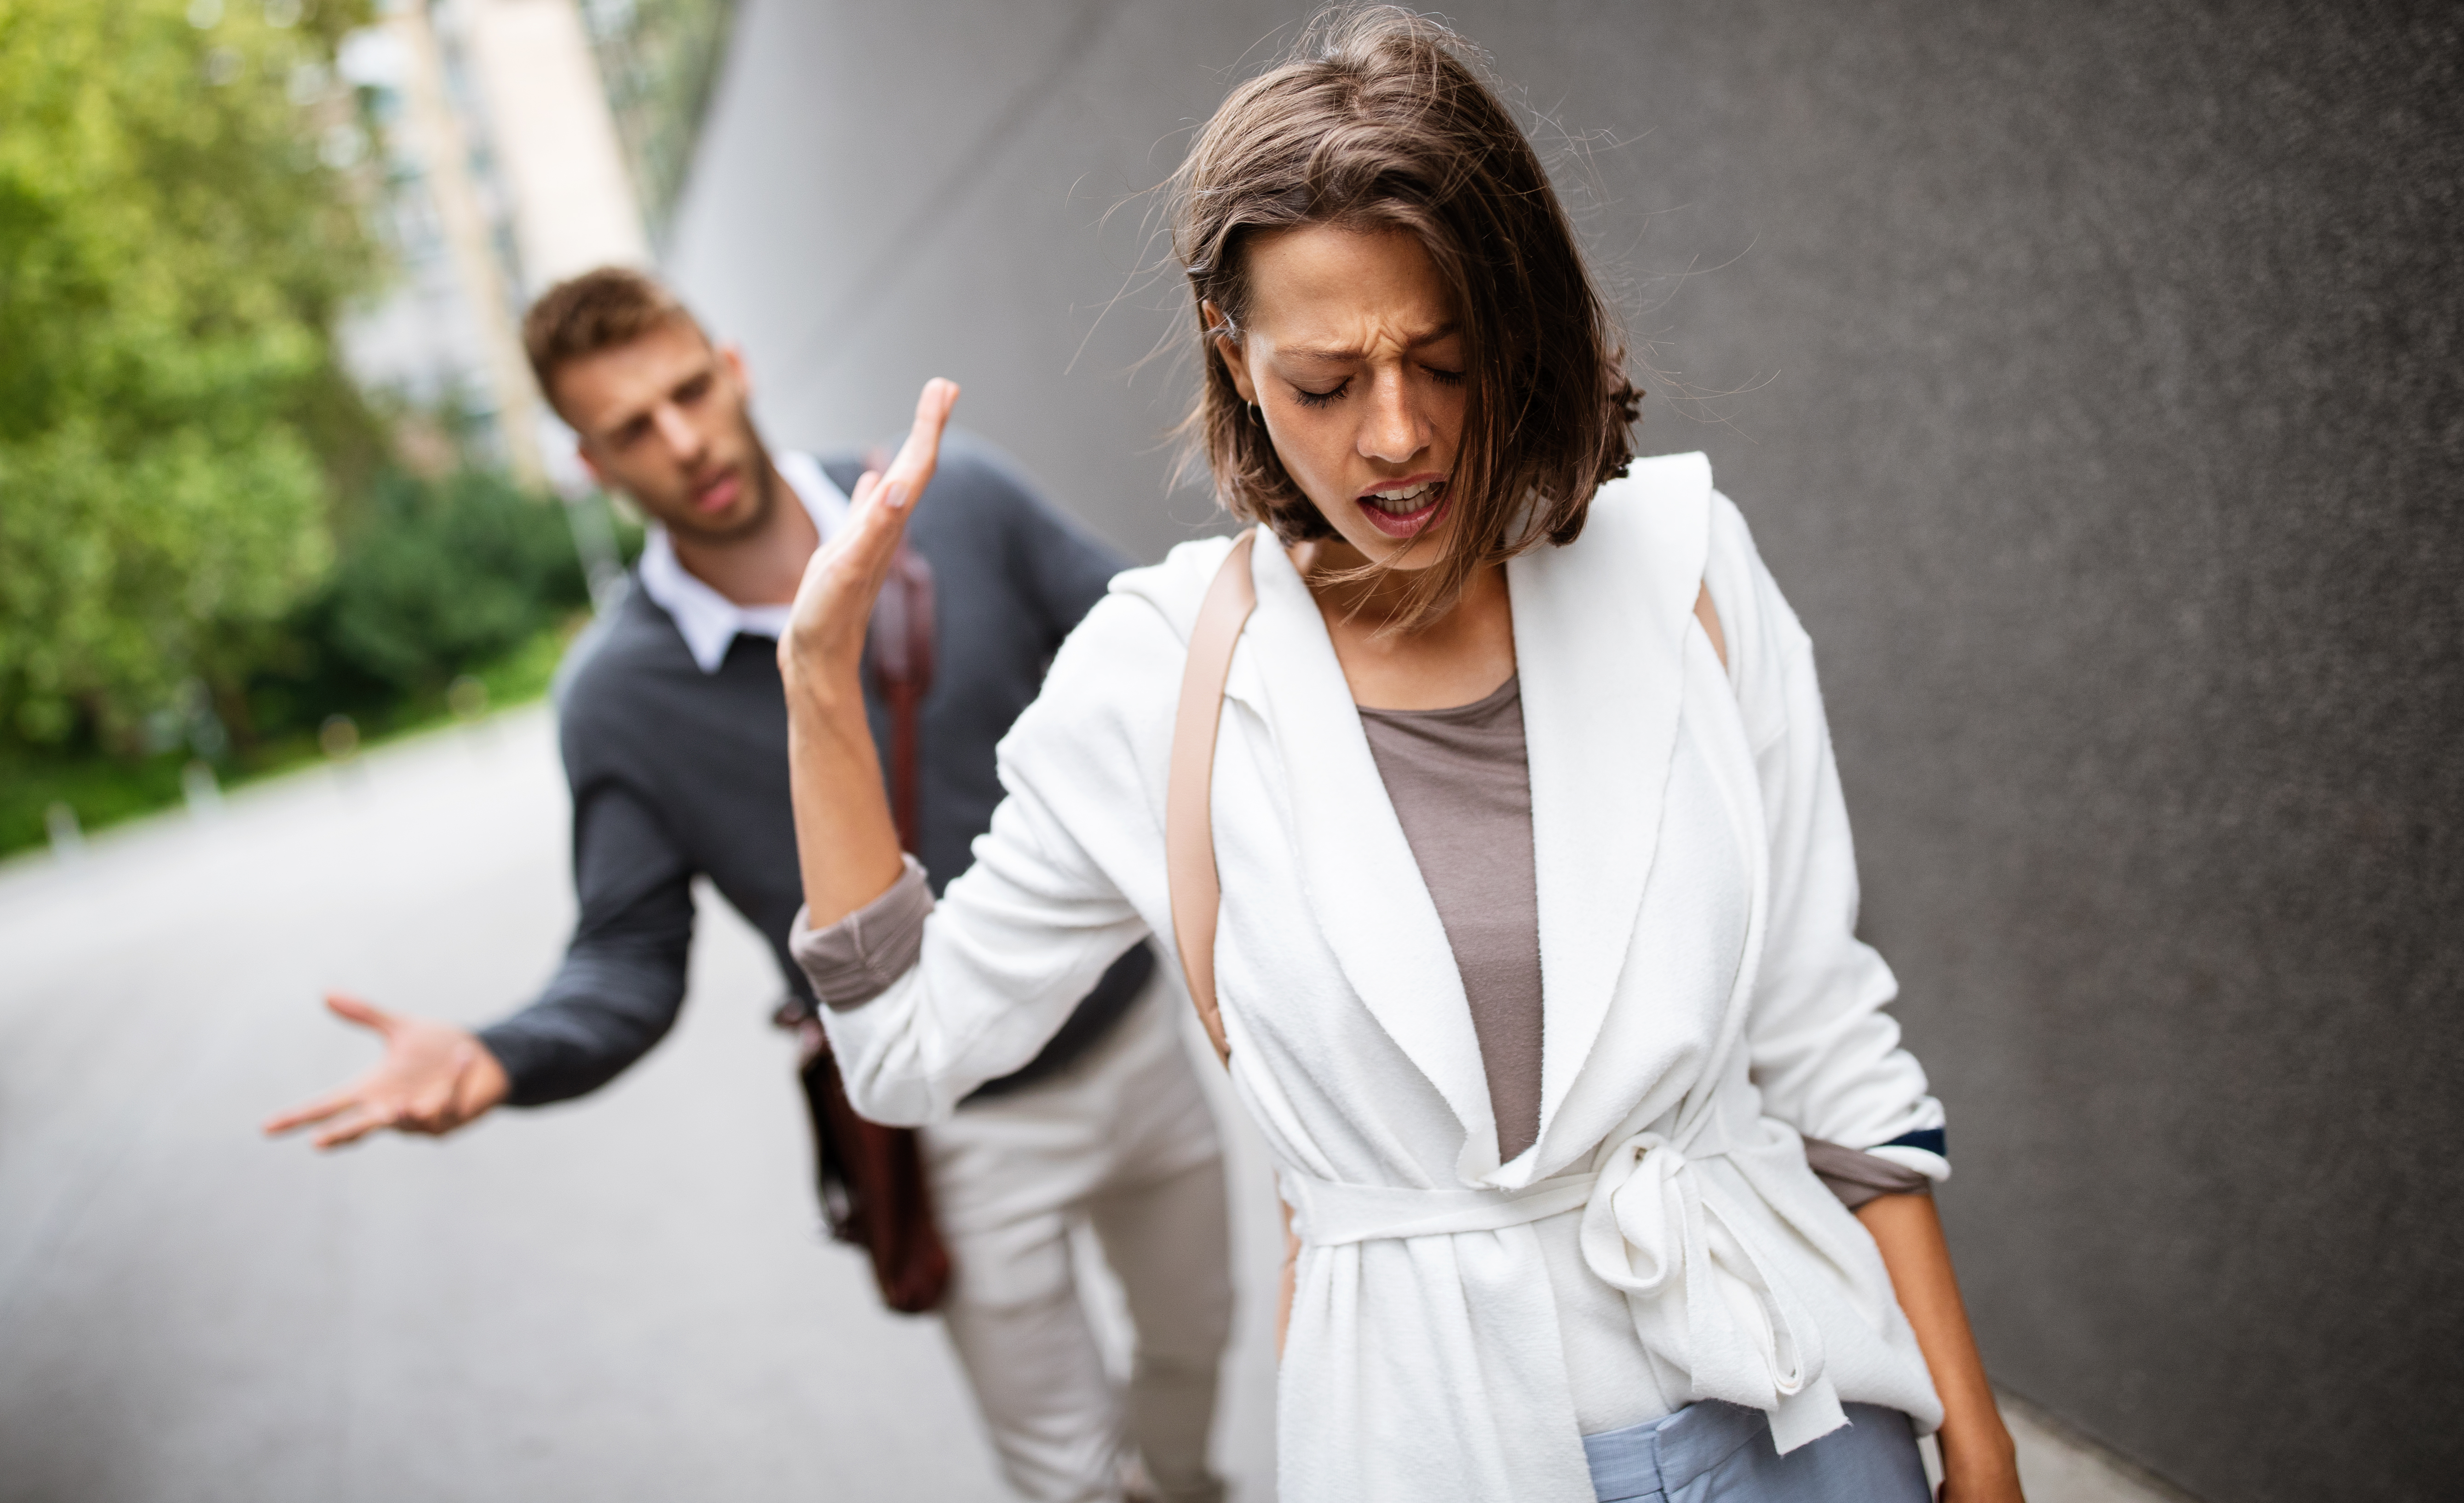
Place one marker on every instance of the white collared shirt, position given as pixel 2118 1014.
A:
pixel 709 621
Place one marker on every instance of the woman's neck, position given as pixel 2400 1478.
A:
pixel 1455 658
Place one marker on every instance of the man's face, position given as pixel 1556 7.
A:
pixel 663 420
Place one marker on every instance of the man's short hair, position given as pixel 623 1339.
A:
pixel 597 310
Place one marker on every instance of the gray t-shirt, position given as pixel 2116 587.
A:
pixel 1461 785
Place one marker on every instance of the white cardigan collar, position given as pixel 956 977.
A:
pixel 1599 632
pixel 1600 639
pixel 1362 883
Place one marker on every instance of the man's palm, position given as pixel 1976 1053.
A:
pixel 433 1078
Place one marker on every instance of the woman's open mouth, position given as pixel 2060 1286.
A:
pixel 1403 510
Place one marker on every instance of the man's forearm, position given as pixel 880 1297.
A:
pixel 598 1015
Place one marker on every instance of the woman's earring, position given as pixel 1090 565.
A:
pixel 1257 415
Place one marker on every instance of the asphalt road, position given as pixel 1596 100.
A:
pixel 620 1298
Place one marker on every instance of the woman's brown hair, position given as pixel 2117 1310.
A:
pixel 1380 120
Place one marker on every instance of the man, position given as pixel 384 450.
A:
pixel 675 738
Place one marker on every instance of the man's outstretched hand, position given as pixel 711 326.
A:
pixel 433 1078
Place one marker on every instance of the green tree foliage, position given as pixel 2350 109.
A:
pixel 174 248
pixel 436 579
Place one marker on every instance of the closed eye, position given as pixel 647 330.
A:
pixel 1444 378
pixel 1320 399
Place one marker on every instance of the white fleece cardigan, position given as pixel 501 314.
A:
pixel 1459 1322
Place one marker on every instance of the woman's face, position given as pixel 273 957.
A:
pixel 1351 353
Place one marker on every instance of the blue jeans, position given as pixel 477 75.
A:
pixel 1715 1452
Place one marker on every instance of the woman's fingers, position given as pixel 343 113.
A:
pixel 872 538
pixel 827 624
pixel 894 494
pixel 921 453
pixel 846 572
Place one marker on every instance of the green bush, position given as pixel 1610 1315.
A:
pixel 434 578
pixel 442 576
pixel 437 581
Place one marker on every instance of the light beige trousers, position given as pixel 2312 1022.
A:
pixel 1122 1142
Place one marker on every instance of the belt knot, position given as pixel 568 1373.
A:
pixel 1701 1298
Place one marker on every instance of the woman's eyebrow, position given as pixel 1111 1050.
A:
pixel 1442 331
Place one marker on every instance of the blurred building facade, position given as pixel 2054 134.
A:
pixel 512 140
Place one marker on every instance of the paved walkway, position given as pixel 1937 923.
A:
pixel 623 1298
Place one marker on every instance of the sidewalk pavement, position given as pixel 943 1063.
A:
pixel 621 1299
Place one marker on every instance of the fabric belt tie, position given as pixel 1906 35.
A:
pixel 1702 1300
pixel 1329 1214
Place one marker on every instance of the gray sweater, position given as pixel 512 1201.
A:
pixel 677 773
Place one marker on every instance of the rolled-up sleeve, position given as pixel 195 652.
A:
pixel 1856 1177
pixel 860 957
pixel 1826 1051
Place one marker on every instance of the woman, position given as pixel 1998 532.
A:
pixel 1512 717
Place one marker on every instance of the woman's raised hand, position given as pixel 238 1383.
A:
pixel 823 650
pixel 847 844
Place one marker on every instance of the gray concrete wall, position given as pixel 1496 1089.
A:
pixel 2094 395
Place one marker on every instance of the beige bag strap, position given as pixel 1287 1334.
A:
pixel 1188 812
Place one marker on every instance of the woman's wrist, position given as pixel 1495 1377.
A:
pixel 828 717
pixel 817 689
pixel 1979 1459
